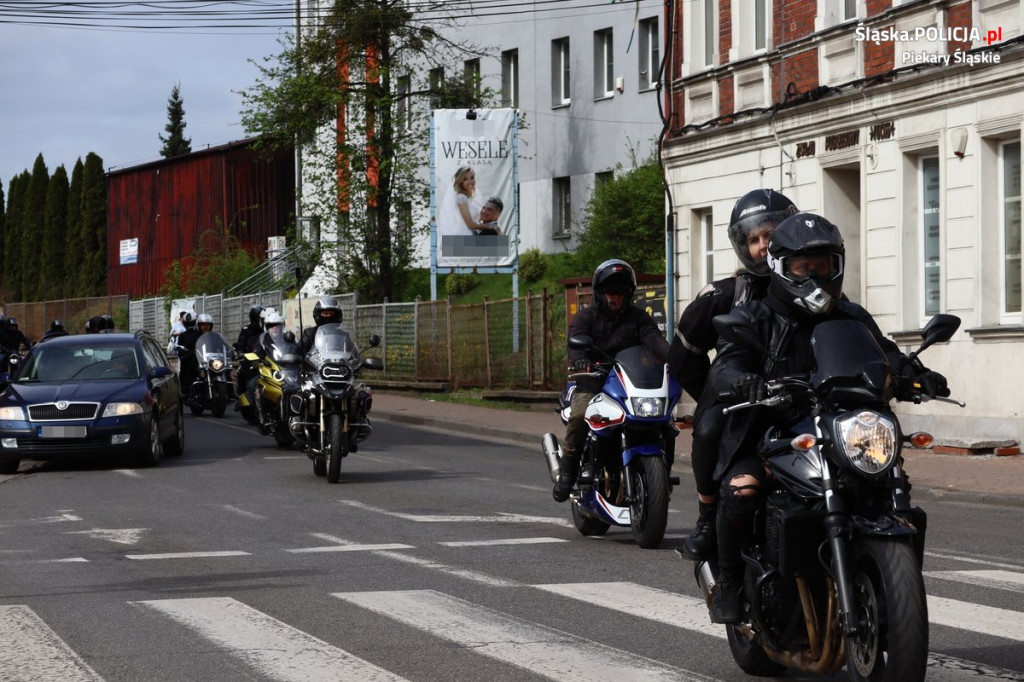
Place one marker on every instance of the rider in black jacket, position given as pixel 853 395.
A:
pixel 807 258
pixel 325 310
pixel 614 325
pixel 12 339
pixel 751 224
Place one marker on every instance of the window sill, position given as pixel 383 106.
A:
pixel 561 235
pixel 561 105
pixel 997 333
pixel 604 96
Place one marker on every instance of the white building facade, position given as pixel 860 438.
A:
pixel 901 122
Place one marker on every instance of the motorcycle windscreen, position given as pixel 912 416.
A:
pixel 642 368
pixel 848 359
pixel 283 351
pixel 332 343
pixel 211 342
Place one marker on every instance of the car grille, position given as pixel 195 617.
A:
pixel 49 412
pixel 89 445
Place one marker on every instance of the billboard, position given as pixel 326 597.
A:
pixel 474 210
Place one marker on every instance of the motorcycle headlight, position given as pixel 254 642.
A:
pixel 868 441
pixel 340 372
pixel 648 407
pixel 216 364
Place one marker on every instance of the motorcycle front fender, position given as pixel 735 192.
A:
pixel 643 450
pixel 913 525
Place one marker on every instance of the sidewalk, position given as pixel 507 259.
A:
pixel 987 479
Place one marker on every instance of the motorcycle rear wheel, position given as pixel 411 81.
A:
pixel 338 448
pixel 648 513
pixel 586 525
pixel 892 615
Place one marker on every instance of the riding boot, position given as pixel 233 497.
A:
pixel 703 541
pixel 734 517
pixel 566 479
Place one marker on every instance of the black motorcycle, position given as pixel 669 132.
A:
pixel 833 569
pixel 333 406
pixel 213 388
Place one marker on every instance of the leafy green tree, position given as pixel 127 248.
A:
pixel 625 218
pixel 74 252
pixel 93 274
pixel 219 262
pixel 12 235
pixel 33 219
pixel 175 144
pixel 51 249
pixel 337 94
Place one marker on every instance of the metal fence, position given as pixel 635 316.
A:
pixel 35 318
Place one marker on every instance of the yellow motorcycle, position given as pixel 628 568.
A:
pixel 280 371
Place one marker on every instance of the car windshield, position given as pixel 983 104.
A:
pixel 80 363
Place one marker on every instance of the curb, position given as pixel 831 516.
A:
pixel 518 438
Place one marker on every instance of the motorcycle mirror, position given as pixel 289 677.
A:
pixel 580 342
pixel 939 329
pixel 373 363
pixel 374 340
pixel 739 330
pixel 289 337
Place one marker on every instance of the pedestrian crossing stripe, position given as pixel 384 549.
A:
pixel 1000 580
pixel 33 651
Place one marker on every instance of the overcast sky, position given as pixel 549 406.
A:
pixel 66 92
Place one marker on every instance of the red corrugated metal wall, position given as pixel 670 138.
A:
pixel 169 204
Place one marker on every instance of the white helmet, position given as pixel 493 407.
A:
pixel 204 318
pixel 272 319
pixel 267 312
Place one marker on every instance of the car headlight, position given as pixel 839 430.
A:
pixel 868 440
pixel 12 412
pixel 648 407
pixel 121 409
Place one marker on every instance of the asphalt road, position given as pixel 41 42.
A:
pixel 438 557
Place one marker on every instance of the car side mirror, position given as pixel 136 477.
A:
pixel 159 372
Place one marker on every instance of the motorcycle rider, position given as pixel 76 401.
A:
pixel 56 329
pixel 806 257
pixel 188 364
pixel 274 335
pixel 613 324
pixel 248 340
pixel 204 323
pixel 753 219
pixel 13 340
pixel 325 310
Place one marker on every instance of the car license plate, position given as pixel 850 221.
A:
pixel 62 432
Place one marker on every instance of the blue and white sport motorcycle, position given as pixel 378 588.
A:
pixel 624 477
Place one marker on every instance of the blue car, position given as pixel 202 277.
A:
pixel 92 394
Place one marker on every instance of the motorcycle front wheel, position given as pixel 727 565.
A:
pixel 220 400
pixel 338 447
pixel 891 642
pixel 648 512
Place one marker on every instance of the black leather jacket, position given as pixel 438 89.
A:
pixel 611 334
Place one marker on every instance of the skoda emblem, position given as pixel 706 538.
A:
pixel 62 405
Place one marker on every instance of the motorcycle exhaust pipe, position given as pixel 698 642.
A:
pixel 552 455
pixel 705 578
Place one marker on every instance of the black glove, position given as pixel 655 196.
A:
pixel 749 387
pixel 932 384
pixel 580 365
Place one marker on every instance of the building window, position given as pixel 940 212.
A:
pixel 471 75
pixel 403 105
pixel 602 178
pixel 760 24
pixel 709 14
pixel 403 220
pixel 510 79
pixel 707 232
pixel 1010 218
pixel 650 59
pixel 436 80
pixel 560 90
pixel 930 234
pixel 604 64
pixel 562 212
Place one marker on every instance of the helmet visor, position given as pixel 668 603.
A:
pixel 804 266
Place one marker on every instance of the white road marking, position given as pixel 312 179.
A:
pixel 451 570
pixel 452 518
pixel 986 620
pixel 349 548
pixel 661 606
pixel 1001 580
pixel 185 555
pixel 130 473
pixel 69 560
pixel 974 560
pixel 33 651
pixel 507 541
pixel 948 669
pixel 544 651
pixel 244 512
pixel 274 649
pixel 121 536
pixel 62 517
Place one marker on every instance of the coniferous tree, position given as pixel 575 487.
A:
pixel 73 249
pixel 3 222
pixel 94 228
pixel 12 236
pixel 175 144
pixel 32 228
pixel 51 250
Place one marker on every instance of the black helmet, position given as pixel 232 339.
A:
pixel 108 322
pixel 254 314
pixel 751 211
pixel 326 304
pixel 189 321
pixel 806 257
pixel 611 275
pixel 12 323
pixel 56 326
